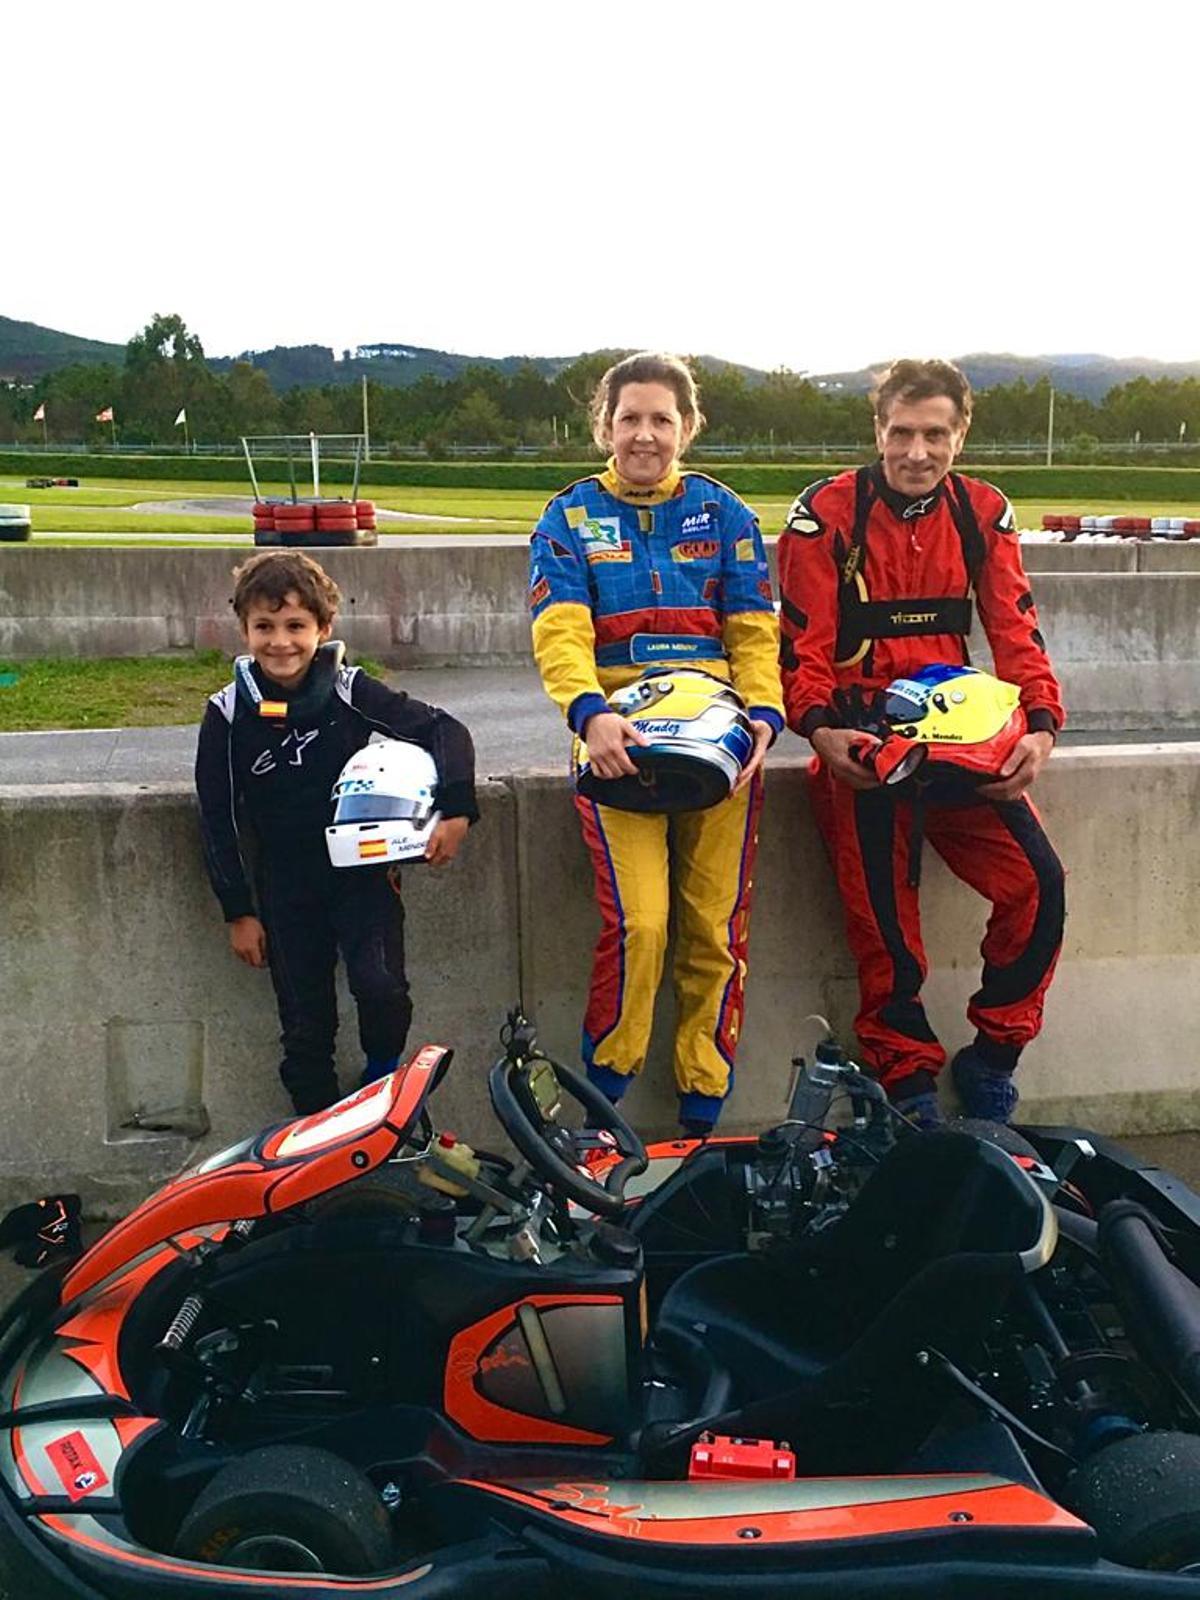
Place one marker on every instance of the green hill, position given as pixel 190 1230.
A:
pixel 28 351
pixel 1089 376
pixel 399 365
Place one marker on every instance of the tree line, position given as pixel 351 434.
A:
pixel 165 373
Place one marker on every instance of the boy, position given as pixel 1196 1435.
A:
pixel 272 745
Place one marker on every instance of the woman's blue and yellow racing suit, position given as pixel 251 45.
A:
pixel 623 579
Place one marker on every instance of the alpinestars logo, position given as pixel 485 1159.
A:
pixel 265 761
pixel 918 508
pixel 800 519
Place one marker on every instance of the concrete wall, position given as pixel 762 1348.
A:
pixel 118 994
pixel 1127 643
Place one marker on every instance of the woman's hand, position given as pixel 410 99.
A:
pixel 248 941
pixel 1029 755
pixel 763 735
pixel 833 746
pixel 445 840
pixel 606 736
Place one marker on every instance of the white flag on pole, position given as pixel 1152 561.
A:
pixel 40 414
pixel 182 417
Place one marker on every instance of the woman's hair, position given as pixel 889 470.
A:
pixel 646 366
pixel 921 380
pixel 269 579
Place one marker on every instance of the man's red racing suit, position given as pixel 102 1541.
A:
pixel 875 586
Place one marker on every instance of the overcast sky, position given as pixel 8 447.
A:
pixel 799 185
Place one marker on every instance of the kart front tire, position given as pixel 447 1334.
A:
pixel 289 1508
pixel 1142 1496
pixel 997 1133
pixel 382 1193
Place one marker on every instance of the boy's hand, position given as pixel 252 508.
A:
pixel 248 941
pixel 445 840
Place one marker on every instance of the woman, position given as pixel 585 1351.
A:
pixel 646 562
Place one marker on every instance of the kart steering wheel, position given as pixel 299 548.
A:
pixel 523 1087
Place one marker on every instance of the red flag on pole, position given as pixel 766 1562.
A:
pixel 106 415
pixel 40 414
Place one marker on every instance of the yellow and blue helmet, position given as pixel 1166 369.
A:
pixel 967 721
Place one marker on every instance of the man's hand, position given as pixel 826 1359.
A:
pixel 248 941
pixel 833 747
pixel 606 735
pixel 763 734
pixel 445 840
pixel 1030 754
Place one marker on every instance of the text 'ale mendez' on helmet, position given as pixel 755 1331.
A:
pixel 699 736
pixel 384 805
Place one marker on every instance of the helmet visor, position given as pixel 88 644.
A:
pixel 905 703
pixel 381 808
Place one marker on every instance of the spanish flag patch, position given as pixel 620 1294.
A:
pixel 368 849
pixel 272 708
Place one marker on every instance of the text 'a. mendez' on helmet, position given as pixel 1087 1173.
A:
pixel 700 739
pixel 968 721
pixel 384 805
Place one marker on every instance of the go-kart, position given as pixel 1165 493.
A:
pixel 352 1356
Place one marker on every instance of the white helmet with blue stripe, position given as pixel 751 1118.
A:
pixel 384 805
pixel 700 739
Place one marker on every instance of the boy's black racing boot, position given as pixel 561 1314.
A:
pixel 983 1076
pixel 310 1099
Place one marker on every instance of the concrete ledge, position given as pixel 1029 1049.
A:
pixel 1126 641
pixel 118 993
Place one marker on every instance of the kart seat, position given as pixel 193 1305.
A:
pixel 938 1239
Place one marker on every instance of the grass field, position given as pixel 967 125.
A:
pixel 105 509
pixel 129 692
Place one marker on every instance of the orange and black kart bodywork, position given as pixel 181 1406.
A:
pixel 425 1363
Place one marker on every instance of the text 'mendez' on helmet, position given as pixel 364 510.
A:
pixel 967 721
pixel 700 739
pixel 384 805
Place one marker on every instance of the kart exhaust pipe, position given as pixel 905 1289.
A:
pixel 1161 1304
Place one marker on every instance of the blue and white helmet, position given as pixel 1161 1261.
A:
pixel 384 805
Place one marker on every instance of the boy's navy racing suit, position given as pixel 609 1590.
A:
pixel 275 775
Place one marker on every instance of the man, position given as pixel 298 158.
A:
pixel 910 529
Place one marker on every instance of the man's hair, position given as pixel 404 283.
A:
pixel 646 366
pixel 269 579
pixel 921 380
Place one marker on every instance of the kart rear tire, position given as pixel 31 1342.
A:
pixel 1142 1496
pixel 289 1508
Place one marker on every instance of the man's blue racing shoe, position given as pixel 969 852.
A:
pixel 986 1092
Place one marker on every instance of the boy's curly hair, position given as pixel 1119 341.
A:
pixel 271 577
